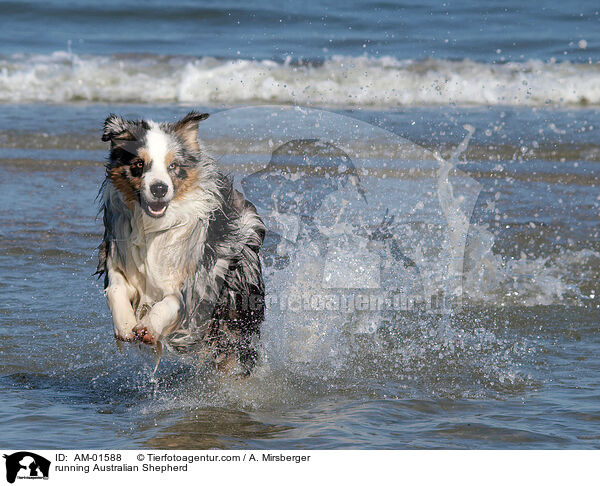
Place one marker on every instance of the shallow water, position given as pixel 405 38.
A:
pixel 511 363
pixel 515 367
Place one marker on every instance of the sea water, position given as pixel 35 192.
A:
pixel 506 223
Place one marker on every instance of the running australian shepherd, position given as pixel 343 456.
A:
pixel 180 253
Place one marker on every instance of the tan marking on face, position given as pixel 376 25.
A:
pixel 126 185
pixel 183 186
pixel 144 155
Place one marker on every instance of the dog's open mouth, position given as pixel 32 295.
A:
pixel 156 209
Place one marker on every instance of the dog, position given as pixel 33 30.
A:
pixel 180 252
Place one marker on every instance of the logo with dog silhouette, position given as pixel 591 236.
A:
pixel 26 465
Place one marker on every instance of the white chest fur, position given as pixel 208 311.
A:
pixel 155 256
pixel 158 254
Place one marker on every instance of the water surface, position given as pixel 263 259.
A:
pixel 516 366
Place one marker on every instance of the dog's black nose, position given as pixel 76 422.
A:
pixel 159 189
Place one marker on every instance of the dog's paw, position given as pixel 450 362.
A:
pixel 127 337
pixel 143 334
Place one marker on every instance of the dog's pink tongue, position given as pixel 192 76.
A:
pixel 156 207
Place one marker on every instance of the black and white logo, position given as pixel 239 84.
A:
pixel 26 465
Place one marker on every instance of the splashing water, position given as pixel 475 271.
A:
pixel 314 349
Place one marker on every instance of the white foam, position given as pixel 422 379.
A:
pixel 337 82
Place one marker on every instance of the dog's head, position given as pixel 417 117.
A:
pixel 153 163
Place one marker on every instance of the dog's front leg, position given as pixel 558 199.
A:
pixel 120 294
pixel 160 320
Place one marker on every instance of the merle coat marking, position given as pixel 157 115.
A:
pixel 180 253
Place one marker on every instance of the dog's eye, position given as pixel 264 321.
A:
pixel 137 168
pixel 173 166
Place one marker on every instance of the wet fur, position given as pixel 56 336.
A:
pixel 197 266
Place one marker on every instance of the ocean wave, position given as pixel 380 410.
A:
pixel 384 82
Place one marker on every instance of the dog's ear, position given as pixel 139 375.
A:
pixel 116 128
pixel 187 128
